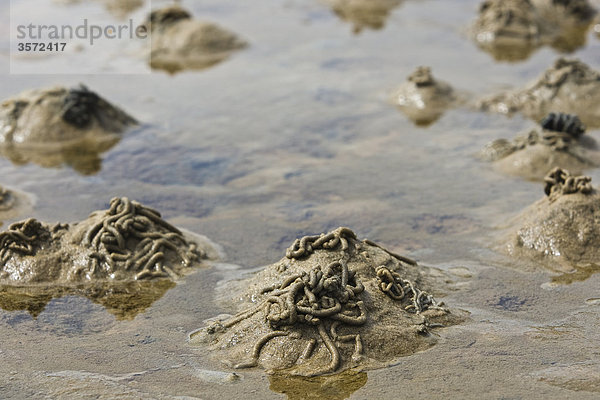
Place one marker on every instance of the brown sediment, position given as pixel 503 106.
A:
pixel 559 143
pixel 56 126
pixel 180 42
pixel 561 230
pixel 569 86
pixel 511 30
pixel 325 308
pixel 422 98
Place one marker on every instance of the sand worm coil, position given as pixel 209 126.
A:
pixel 136 237
pixel 560 181
pixel 397 288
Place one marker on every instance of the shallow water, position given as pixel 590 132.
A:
pixel 295 136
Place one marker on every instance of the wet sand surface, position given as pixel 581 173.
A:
pixel 291 136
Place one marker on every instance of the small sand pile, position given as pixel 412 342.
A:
pixel 57 125
pixel 181 42
pixel 562 230
pixel 124 258
pixel 422 98
pixel 124 243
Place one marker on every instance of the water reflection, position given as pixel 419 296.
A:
pixel 124 300
pixel 580 274
pixel 363 14
pixel 511 52
pixel 329 387
pixel 571 39
pixel 84 157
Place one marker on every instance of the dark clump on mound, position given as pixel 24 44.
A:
pixel 561 122
pixel 60 115
pixel 169 15
pixel 334 302
pixel 79 106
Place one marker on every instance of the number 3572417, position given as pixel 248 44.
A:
pixel 41 46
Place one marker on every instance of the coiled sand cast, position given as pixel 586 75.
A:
pixel 107 254
pixel 334 302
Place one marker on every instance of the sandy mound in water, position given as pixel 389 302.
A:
pixel 422 98
pixel 181 42
pixel 363 14
pixel 562 230
pixel 334 302
pixel 559 142
pixel 569 86
pixel 511 30
pixel 54 126
pixel 124 258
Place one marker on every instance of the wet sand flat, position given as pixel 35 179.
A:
pixel 291 136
